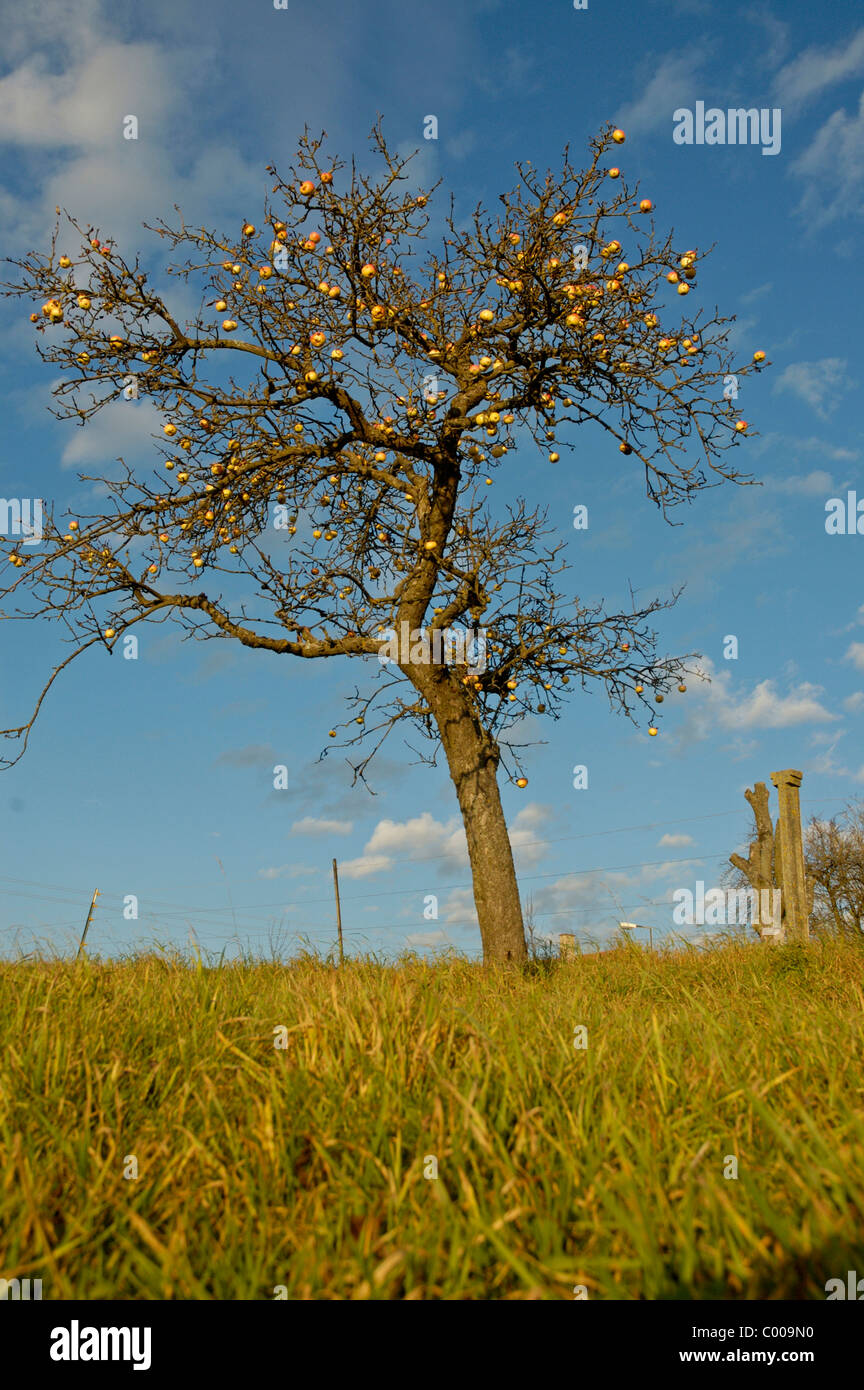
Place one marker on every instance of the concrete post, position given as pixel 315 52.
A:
pixel 793 885
pixel 566 946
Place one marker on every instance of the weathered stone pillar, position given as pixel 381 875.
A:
pixel 566 946
pixel 790 868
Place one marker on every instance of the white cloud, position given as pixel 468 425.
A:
pixel 365 865
pixel 819 384
pixel 672 841
pixel 526 830
pixel 123 429
pixel 316 825
pixel 815 484
pixel 673 84
pixel 84 106
pixel 814 445
pixel 720 705
pixel 855 654
pixel 816 69
pixel 420 838
pixel 853 703
pixel 458 909
pixel 831 170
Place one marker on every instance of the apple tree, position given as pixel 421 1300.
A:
pixel 333 415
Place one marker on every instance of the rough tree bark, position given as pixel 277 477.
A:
pixel 472 758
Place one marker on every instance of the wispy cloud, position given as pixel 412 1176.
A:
pixel 816 69
pixel 674 83
pixel 819 384
pixel 319 825
pixel 831 171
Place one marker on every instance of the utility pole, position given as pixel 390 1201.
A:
pixel 338 913
pixel 87 923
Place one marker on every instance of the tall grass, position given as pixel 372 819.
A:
pixel 608 1166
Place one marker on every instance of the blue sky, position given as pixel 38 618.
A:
pixel 154 777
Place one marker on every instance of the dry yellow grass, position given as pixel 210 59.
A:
pixel 303 1166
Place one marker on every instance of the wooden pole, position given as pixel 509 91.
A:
pixel 338 913
pixel 788 836
pixel 87 923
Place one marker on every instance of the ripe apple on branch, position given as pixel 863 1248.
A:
pixel 345 474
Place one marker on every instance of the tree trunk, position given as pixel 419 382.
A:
pixel 473 757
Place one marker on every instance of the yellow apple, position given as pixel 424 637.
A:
pixel 367 271
pixel 307 188
pixel 228 325
pixel 652 732
pixel 83 301
pixel 170 430
pixel 645 205
pixel 614 173
pixel 110 632
pixel 248 230
pixel 741 426
pixel 619 137
pixel 521 781
pixel 64 262
pixel 759 356
pixel 337 354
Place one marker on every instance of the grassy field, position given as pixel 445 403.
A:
pixel 306 1166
